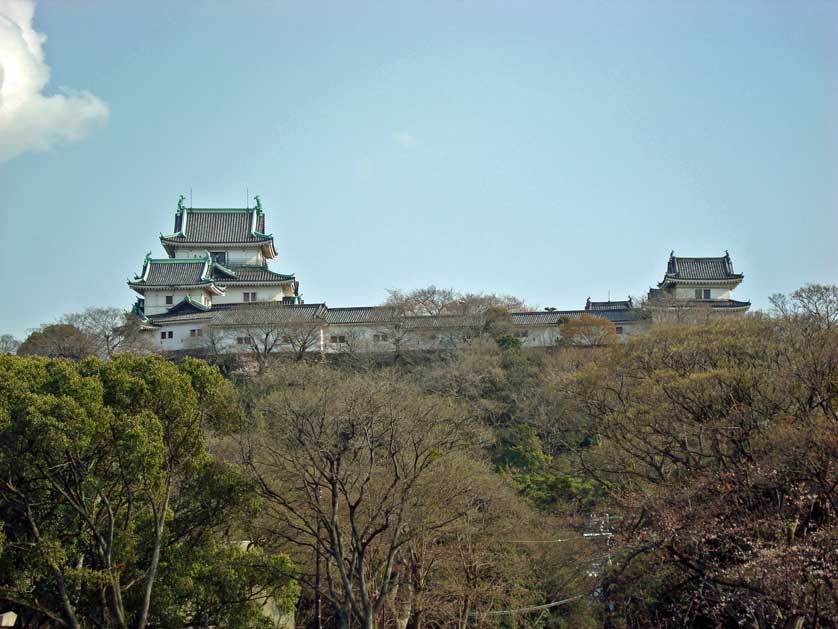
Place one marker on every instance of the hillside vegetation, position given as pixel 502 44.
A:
pixel 686 477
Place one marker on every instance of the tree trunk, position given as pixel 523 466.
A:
pixel 795 622
pixel 401 603
pixel 155 559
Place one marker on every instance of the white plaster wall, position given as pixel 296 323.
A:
pixel 181 338
pixel 689 293
pixel 235 293
pixel 360 338
pixel 633 328
pixel 245 256
pixel 155 300
pixel 539 336
pixel 227 340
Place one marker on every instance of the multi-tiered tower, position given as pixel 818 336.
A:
pixel 216 256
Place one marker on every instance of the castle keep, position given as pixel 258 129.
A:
pixel 215 290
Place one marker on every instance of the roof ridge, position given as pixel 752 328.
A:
pixel 220 209
pixel 363 308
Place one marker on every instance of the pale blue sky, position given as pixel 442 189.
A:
pixel 549 150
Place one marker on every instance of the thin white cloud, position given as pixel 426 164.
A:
pixel 364 169
pixel 406 139
pixel 29 119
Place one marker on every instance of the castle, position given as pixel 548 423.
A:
pixel 215 290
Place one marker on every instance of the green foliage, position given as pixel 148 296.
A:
pixel 104 466
pixel 226 585
pixel 552 490
pixel 508 342
pixel 519 454
pixel 519 448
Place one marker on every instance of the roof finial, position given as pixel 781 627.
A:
pixel 258 203
pixel 672 253
pixel 180 206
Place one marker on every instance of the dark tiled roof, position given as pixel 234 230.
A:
pixel 608 305
pixel 267 313
pixel 702 303
pixel 249 274
pixel 731 303
pixel 363 314
pixel 260 313
pixel 621 316
pixel 439 322
pixel 554 317
pixel 173 273
pixel 542 317
pixel 700 269
pixel 218 226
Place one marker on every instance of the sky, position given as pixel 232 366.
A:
pixel 549 150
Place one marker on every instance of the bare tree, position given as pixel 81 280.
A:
pixel 433 301
pixel 273 338
pixel 59 340
pixel 588 331
pixel 302 338
pixel 106 326
pixel 817 303
pixel 345 464
pixel 8 344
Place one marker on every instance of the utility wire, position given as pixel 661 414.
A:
pixel 526 610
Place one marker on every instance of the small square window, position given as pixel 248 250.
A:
pixel 619 329
pixel 286 339
pixel 169 334
pixel 162 335
pixel 169 300
pixel 698 293
pixel 706 293
pixel 333 339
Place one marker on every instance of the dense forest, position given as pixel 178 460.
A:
pixel 686 477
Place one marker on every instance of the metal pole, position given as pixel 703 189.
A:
pixel 318 599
